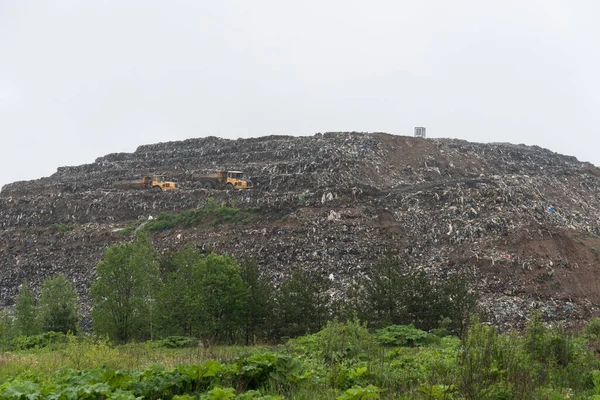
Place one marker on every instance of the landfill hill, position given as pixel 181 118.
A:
pixel 521 221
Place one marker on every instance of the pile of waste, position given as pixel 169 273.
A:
pixel 521 221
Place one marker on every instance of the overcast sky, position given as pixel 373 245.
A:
pixel 80 79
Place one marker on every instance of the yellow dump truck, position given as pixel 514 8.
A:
pixel 155 182
pixel 228 180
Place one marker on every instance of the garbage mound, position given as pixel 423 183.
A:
pixel 521 221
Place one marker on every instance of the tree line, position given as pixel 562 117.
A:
pixel 139 295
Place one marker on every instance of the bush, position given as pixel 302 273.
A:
pixel 548 344
pixel 175 342
pixel 39 341
pixel 593 327
pixel 403 335
pixel 361 393
pixel 337 342
pixel 255 370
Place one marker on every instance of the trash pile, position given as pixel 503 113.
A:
pixel 522 222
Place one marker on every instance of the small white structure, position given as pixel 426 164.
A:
pixel 420 132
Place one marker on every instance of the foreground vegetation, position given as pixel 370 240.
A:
pixel 342 361
pixel 172 326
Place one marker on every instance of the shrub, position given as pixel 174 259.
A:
pixel 593 327
pixel 403 335
pixel 493 362
pixel 39 341
pixel 361 393
pixel 255 370
pixel 175 342
pixel 337 342
pixel 545 344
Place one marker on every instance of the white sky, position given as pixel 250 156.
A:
pixel 80 79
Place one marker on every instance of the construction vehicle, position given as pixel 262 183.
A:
pixel 228 180
pixel 155 182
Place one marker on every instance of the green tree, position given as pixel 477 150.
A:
pixel 384 290
pixel 174 313
pixel 221 299
pixel 421 301
pixel 301 304
pixel 25 312
pixel 459 302
pixel 201 295
pixel 58 306
pixel 396 297
pixel 7 330
pixel 259 310
pixel 123 293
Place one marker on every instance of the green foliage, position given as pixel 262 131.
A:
pixel 221 296
pixel 26 323
pixel 255 395
pixel 202 295
pixel 361 393
pixel 495 363
pixel 438 392
pixel 593 327
pixel 57 309
pixel 85 351
pixel 479 360
pixel 342 361
pixel 253 371
pixel 122 295
pixel 403 335
pixel 61 227
pixel 457 302
pixel 384 291
pixel 46 339
pixel 7 331
pixel 337 342
pixel 219 394
pixel 393 296
pixel 260 303
pixel 547 344
pixel 211 212
pixel 301 304
pixel 198 381
pixel 175 316
pixel 175 342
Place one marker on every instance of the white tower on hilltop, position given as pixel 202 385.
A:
pixel 420 132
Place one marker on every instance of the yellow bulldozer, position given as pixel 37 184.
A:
pixel 228 180
pixel 155 182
